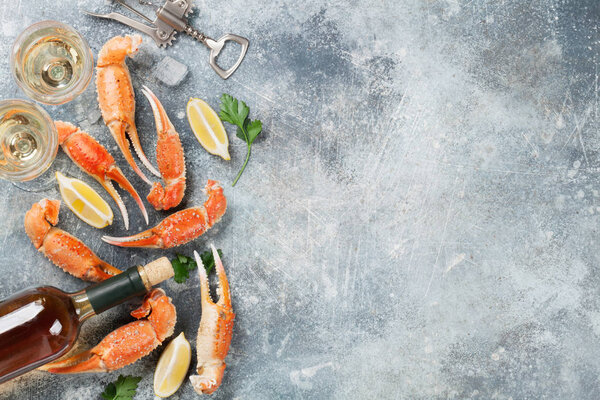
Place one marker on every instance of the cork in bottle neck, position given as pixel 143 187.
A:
pixel 156 272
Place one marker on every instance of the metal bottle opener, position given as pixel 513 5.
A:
pixel 171 18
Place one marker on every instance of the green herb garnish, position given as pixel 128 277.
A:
pixel 123 389
pixel 236 112
pixel 182 265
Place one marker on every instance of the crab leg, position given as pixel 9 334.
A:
pixel 126 344
pixel 215 330
pixel 180 227
pixel 169 155
pixel 62 248
pixel 94 159
pixel 116 98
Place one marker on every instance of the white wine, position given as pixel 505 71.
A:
pixel 20 140
pixel 51 62
pixel 28 140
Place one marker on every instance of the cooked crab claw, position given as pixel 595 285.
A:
pixel 94 159
pixel 116 98
pixel 180 227
pixel 128 343
pixel 62 248
pixel 215 330
pixel 169 157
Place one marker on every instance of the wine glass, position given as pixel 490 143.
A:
pixel 51 62
pixel 28 142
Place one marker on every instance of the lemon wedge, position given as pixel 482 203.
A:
pixel 84 201
pixel 172 366
pixel 208 128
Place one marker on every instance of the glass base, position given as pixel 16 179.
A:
pixel 47 181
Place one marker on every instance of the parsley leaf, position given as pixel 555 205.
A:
pixel 233 111
pixel 123 389
pixel 182 265
pixel 241 134
pixel 236 112
pixel 253 128
pixel 208 260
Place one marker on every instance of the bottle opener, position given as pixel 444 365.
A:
pixel 171 18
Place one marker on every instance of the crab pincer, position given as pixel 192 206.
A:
pixel 180 227
pixel 169 157
pixel 95 160
pixel 215 330
pixel 117 100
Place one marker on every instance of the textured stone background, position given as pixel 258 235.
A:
pixel 419 220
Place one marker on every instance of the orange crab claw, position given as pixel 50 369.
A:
pixel 126 344
pixel 181 227
pixel 42 216
pixel 95 160
pixel 62 248
pixel 116 98
pixel 169 155
pixel 215 330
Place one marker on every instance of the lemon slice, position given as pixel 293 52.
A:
pixel 172 366
pixel 84 201
pixel 208 128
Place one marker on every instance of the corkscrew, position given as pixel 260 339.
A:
pixel 171 18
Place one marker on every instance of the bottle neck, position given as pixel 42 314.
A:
pixel 111 292
pixel 82 304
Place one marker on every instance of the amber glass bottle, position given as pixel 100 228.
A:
pixel 39 325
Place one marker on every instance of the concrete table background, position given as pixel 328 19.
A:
pixel 418 221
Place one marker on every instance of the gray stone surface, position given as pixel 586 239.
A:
pixel 418 221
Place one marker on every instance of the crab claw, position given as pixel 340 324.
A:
pixel 223 289
pixel 74 257
pixel 215 330
pixel 170 159
pixel 147 238
pixel 94 159
pixel 86 361
pixel 62 248
pixel 120 132
pixel 116 174
pixel 180 227
pixel 223 285
pixel 116 98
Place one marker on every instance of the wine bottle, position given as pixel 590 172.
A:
pixel 39 325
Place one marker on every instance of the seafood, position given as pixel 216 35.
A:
pixel 94 159
pixel 169 156
pixel 63 249
pixel 214 332
pixel 117 100
pixel 127 344
pixel 180 227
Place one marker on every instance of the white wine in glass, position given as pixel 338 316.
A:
pixel 51 62
pixel 28 140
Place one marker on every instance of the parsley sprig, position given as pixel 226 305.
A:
pixel 123 389
pixel 182 265
pixel 236 112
